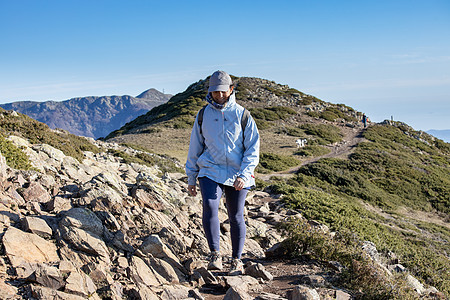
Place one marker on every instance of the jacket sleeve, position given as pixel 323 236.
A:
pixel 196 146
pixel 251 151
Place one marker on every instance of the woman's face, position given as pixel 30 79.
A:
pixel 222 97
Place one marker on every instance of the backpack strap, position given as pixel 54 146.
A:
pixel 200 117
pixel 244 119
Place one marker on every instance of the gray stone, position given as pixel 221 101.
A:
pixel 236 293
pixel 208 277
pixel 83 230
pixel 302 292
pixel 142 273
pixel 47 276
pixel 79 283
pixel 415 284
pixel 36 193
pixel 164 269
pixel 340 295
pixel 141 292
pixel 247 283
pixel 175 292
pixel 23 247
pixel 258 271
pixel 154 245
pixel 58 204
pixel 44 293
pixel 7 291
pixel 3 166
pixel 37 226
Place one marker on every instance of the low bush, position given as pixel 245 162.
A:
pixel 312 150
pixel 329 133
pixel 275 162
pixel 15 158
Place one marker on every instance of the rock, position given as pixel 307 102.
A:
pixel 66 267
pixel 59 204
pixel 340 295
pixel 40 292
pixel 207 276
pixel 269 296
pixel 276 250
pixel 37 226
pixel 82 229
pixel 253 248
pixel 79 283
pixel 111 179
pixel 258 271
pixel 371 250
pixel 3 166
pixel 302 292
pixel 247 283
pixel 415 284
pixel 141 273
pixel 398 268
pixel 98 273
pixel 164 269
pixel 154 245
pixel 191 264
pixel 47 276
pixel 23 247
pixel 175 292
pixel 7 291
pixel 122 262
pixel 236 293
pixel 173 241
pixel 35 192
pixel 141 292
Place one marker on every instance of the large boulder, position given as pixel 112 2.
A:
pixel 22 247
pixel 83 230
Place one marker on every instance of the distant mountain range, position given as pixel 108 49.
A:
pixel 441 134
pixel 90 116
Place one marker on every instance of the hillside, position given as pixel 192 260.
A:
pixel 277 109
pixel 388 183
pixel 118 224
pixel 90 116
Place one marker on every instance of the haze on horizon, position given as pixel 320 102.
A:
pixel 384 58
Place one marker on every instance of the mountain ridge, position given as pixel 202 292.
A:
pixel 91 116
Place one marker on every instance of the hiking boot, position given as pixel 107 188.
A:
pixel 215 261
pixel 237 267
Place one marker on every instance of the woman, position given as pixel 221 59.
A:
pixel 223 154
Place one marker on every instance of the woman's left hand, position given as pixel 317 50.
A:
pixel 239 184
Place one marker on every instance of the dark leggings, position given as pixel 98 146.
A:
pixel 235 201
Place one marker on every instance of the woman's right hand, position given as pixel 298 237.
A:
pixel 192 189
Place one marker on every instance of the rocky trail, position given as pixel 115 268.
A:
pixel 104 229
pixel 352 137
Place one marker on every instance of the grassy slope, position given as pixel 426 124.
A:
pixel 391 172
pixel 37 133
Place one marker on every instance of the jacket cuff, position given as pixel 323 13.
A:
pixel 192 180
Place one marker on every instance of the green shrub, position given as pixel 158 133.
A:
pixel 275 162
pixel 360 272
pixel 272 113
pixel 312 150
pixel 15 158
pixel 329 133
pixel 292 131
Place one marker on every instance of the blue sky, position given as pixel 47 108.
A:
pixel 384 58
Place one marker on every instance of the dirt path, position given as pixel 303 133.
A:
pixel 352 137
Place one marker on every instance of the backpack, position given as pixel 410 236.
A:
pixel 244 119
